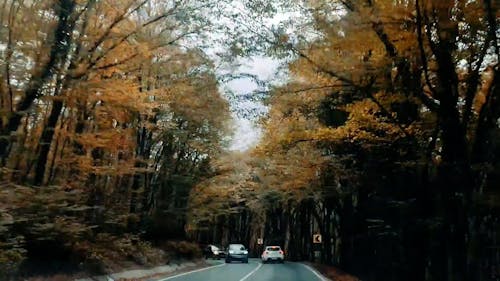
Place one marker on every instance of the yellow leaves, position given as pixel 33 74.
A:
pixel 117 92
pixel 113 140
pixel 293 172
pixel 326 134
pixel 234 181
pixel 367 121
pixel 488 83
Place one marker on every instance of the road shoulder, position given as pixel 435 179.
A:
pixel 331 272
pixel 154 273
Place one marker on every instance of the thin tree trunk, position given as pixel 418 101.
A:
pixel 46 142
pixel 286 244
pixel 52 167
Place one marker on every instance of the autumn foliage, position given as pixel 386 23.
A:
pixel 106 120
pixel 384 140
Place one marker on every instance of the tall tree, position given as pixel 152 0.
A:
pixel 380 86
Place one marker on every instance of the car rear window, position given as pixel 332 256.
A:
pixel 273 249
pixel 236 247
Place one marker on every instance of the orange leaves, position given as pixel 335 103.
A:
pixel 233 182
pixel 112 140
pixel 115 96
pixel 367 123
pixel 343 71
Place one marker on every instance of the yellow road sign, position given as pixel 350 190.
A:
pixel 317 238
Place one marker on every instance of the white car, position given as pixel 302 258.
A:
pixel 273 253
pixel 214 252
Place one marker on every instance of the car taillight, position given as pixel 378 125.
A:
pixel 281 253
pixel 266 253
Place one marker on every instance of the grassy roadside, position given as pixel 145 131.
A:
pixel 134 273
pixel 113 258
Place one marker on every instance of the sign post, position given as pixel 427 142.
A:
pixel 317 240
pixel 260 241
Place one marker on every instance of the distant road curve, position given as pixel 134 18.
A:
pixel 254 270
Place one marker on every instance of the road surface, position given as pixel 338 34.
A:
pixel 254 270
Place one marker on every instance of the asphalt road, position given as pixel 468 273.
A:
pixel 253 271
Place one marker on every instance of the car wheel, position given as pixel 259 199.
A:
pixel 282 261
pixel 228 261
pixel 245 261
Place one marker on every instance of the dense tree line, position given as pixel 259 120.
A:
pixel 107 118
pixel 384 140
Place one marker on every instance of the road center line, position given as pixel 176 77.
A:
pixel 251 272
pixel 192 271
pixel 321 277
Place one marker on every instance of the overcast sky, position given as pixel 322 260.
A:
pixel 247 132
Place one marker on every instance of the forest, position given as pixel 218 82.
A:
pixel 384 137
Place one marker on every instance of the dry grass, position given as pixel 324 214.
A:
pixel 115 254
pixel 56 277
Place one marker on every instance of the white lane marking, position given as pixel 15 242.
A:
pixel 192 271
pixel 250 273
pixel 321 277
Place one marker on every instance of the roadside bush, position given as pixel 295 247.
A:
pixel 153 256
pixel 9 262
pixel 45 231
pixel 182 249
pixel 108 252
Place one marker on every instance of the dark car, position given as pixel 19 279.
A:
pixel 236 252
pixel 214 252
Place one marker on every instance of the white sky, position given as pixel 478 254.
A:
pixel 247 133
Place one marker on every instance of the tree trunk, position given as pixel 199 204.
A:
pixel 46 142
pixel 58 55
